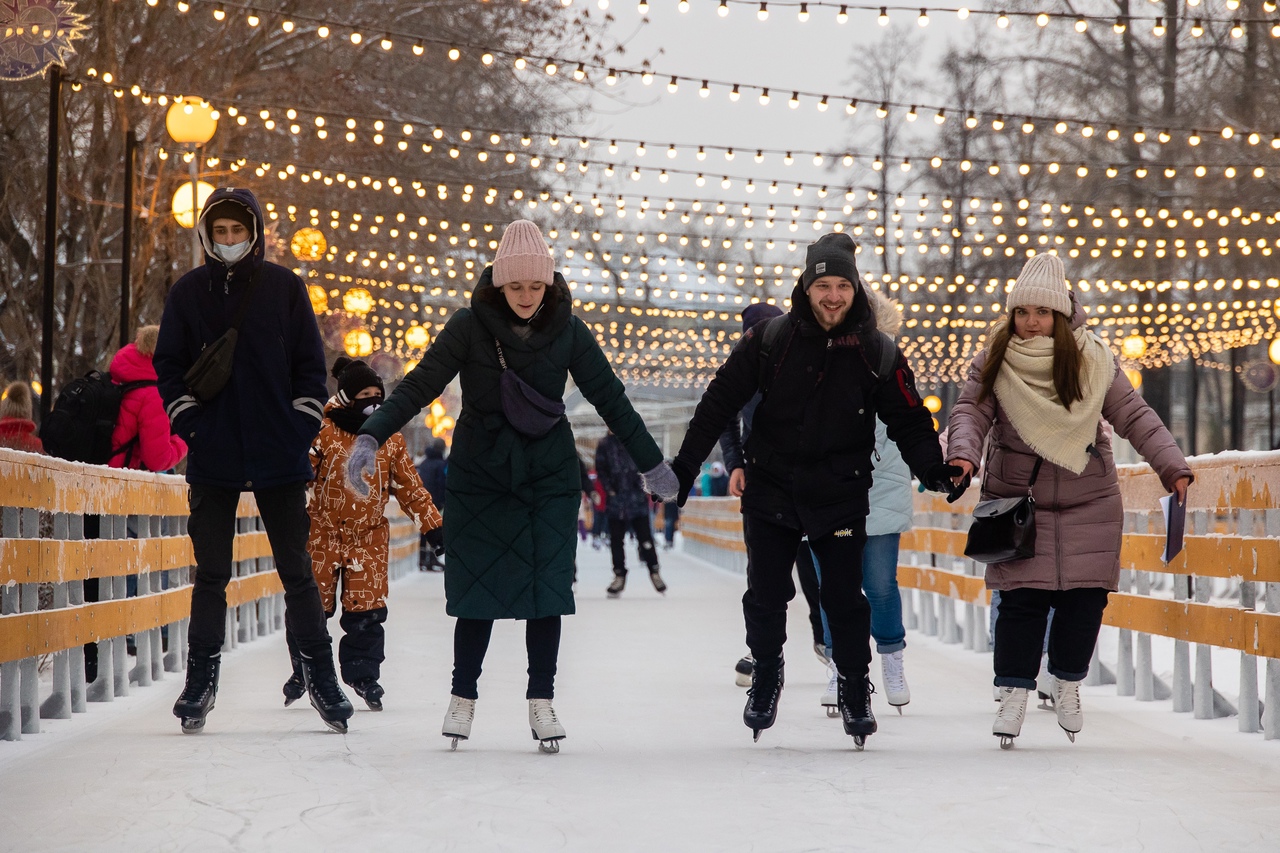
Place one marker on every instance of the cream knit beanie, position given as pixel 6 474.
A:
pixel 523 256
pixel 1043 281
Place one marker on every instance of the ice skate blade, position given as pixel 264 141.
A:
pixel 192 725
pixel 453 746
pixel 1006 741
pixel 339 726
pixel 832 712
pixel 755 735
pixel 289 701
pixel 1071 736
pixel 899 708
pixel 859 742
pixel 373 705
pixel 550 746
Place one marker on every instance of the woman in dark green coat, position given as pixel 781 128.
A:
pixel 510 523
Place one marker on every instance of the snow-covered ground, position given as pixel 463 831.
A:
pixel 657 757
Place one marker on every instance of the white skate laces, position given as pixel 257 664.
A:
pixel 895 679
pixel 544 725
pixel 457 720
pixel 1067 704
pixel 1013 708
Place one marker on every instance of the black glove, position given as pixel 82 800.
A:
pixel 435 538
pixel 685 475
pixel 938 479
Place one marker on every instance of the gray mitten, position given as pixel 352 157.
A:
pixel 662 482
pixel 361 461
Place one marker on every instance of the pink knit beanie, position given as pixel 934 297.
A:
pixel 522 256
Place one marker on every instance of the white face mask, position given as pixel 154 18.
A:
pixel 371 408
pixel 232 253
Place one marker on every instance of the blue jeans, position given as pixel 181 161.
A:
pixel 880 583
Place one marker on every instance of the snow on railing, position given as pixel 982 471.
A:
pixel 1209 596
pixel 66 528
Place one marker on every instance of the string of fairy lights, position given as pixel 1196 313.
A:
pixel 804 10
pixel 589 71
pixel 947 334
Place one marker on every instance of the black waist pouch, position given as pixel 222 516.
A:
pixel 529 412
pixel 212 370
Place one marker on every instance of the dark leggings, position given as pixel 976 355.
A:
pixel 471 641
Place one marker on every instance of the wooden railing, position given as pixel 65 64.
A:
pixel 143 565
pixel 1208 597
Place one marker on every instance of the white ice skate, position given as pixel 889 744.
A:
pixel 830 696
pixel 545 726
pixel 457 722
pixel 1044 685
pixel 895 680
pixel 1013 708
pixel 1066 700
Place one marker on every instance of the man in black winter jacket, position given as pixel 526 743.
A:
pixel 252 435
pixel 824 373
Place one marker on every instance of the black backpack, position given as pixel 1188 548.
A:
pixel 84 416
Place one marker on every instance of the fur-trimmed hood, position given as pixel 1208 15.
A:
pixel 887 311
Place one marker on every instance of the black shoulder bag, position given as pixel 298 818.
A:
pixel 212 370
pixel 1004 529
pixel 529 412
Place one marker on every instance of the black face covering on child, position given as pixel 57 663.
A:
pixel 352 417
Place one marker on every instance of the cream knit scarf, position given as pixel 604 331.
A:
pixel 1026 392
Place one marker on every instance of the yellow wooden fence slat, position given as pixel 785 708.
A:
pixel 24 635
pixel 1226 627
pixel 951 584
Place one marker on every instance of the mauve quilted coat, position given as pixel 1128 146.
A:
pixel 1079 517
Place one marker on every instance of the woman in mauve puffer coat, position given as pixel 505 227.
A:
pixel 1039 393
pixel 142 428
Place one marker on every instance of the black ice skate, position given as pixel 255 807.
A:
pixel 762 698
pixel 295 686
pixel 200 691
pixel 853 696
pixel 616 586
pixel 326 696
pixel 370 691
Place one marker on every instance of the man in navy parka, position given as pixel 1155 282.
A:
pixel 252 436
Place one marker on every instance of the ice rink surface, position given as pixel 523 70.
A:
pixel 657 758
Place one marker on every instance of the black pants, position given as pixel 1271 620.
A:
pixel 363 646
pixel 771 552
pixel 644 540
pixel 809 588
pixel 212 528
pixel 471 641
pixel 1020 630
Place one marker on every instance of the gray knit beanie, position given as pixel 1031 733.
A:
pixel 1043 281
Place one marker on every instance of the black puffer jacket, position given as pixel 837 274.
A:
pixel 809 455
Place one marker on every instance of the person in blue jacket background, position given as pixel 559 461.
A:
pixel 252 436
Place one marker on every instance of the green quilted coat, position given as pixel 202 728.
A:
pixel 511 516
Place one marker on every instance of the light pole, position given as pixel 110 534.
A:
pixel 192 123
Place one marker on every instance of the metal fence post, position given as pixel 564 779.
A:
pixel 120 591
pixel 1271 702
pixel 1144 676
pixel 75 598
pixel 58 705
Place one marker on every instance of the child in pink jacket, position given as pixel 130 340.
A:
pixel 142 428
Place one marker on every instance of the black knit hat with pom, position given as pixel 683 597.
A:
pixel 353 377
